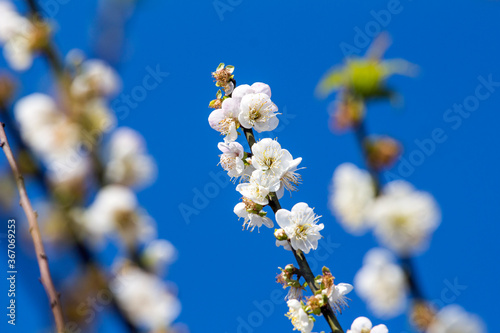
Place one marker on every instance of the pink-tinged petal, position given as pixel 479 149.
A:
pixel 231 107
pixel 283 218
pixel 260 87
pixel 224 147
pixel 215 118
pixel 240 91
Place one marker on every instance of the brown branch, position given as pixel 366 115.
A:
pixel 41 257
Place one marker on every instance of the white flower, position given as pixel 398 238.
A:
pixel 115 209
pixel 351 195
pixel 259 187
pixel 403 218
pixel 300 226
pixel 270 158
pixel 252 218
pixel 285 244
pixel 44 127
pixel 244 89
pixel 454 319
pixel 225 119
pixel 381 283
pixel 364 325
pixel 16 34
pixel 231 158
pixel 145 298
pixel 128 162
pixel 336 296
pixel 301 321
pixel 96 78
pixel 158 254
pixel 290 178
pixel 258 112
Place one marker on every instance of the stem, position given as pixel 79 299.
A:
pixel 406 262
pixel 42 259
pixel 305 270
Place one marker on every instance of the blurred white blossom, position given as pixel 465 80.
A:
pixel 404 218
pixel 158 254
pixel 352 194
pixel 381 283
pixel 454 319
pixel 128 162
pixel 95 79
pixel 145 298
pixel 364 325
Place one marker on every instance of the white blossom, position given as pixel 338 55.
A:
pixel 95 78
pixel 259 187
pixel 301 321
pixel 381 283
pixel 115 209
pixel 225 119
pixel 403 218
pixel 336 296
pixel 300 225
pixel 231 158
pixel 352 194
pixel 251 217
pixel 128 162
pixel 44 127
pixel 285 244
pixel 454 319
pixel 15 34
pixel 258 112
pixel 158 254
pixel 145 298
pixel 364 325
pixel 244 89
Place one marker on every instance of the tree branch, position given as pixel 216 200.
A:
pixel 41 257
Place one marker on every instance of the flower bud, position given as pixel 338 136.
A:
pixel 7 88
pixel 346 113
pixel 280 234
pixel 422 315
pixel 382 152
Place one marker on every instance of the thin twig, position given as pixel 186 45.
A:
pixel 41 257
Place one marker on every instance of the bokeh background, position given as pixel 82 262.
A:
pixel 225 275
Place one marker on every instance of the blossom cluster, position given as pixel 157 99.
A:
pixel 263 174
pixel 92 168
pixel 401 217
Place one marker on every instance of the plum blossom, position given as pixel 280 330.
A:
pixel 127 160
pixel 301 321
pixel 225 119
pixel 145 298
pixel 252 214
pixel 244 89
pixel 300 225
pixel 381 283
pixel 259 187
pixel 158 254
pixel 364 325
pixel 352 194
pixel 404 218
pixel 454 319
pixel 16 34
pixel 258 112
pixel 336 296
pixel 115 209
pixel 95 78
pixel 276 162
pixel 231 158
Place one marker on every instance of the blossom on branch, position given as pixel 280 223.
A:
pixel 300 225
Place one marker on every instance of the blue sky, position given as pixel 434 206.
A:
pixel 226 276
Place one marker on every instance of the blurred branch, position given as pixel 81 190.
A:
pixel 42 259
